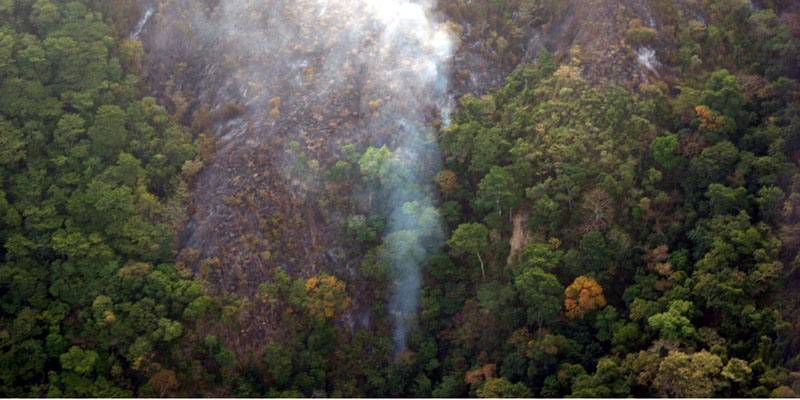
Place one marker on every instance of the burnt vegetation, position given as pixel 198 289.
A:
pixel 612 208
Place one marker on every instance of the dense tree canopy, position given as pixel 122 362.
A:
pixel 631 241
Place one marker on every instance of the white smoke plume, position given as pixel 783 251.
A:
pixel 328 72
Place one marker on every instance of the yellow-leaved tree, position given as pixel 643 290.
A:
pixel 582 296
pixel 325 295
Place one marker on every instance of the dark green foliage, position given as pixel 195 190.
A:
pixel 681 230
pixel 89 306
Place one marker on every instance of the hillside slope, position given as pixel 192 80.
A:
pixel 399 198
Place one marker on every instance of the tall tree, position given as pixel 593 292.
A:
pixel 541 293
pixel 471 238
pixel 582 296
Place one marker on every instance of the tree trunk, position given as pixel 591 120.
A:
pixel 483 273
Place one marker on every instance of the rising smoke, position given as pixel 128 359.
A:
pixel 329 72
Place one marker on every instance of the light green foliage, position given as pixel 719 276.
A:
pixel 341 171
pixel 365 230
pixel 498 190
pixel 626 337
pixel 69 130
pixel 674 324
pixel 45 15
pixel 541 255
pixel 12 146
pixel 128 170
pixel 167 330
pixel 140 348
pixel 378 166
pixel 78 360
pixel 6 6
pixel 421 219
pixel 684 375
pixel 6 50
pixel 502 388
pixel 469 239
pixel 401 247
pixel 197 308
pixel 447 388
pixel 737 370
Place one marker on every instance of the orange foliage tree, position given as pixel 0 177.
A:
pixel 582 296
pixel 447 181
pixel 478 375
pixel 164 381
pixel 325 295
pixel 708 120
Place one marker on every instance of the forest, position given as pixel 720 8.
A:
pixel 582 224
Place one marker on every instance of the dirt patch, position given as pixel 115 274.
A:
pixel 520 235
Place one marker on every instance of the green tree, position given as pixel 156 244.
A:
pixel 674 324
pixel 7 42
pixel 665 150
pixel 499 190
pixel 167 330
pixel 197 308
pixel 609 380
pixel 541 293
pixel 713 164
pixel 279 364
pixel 69 131
pixel 470 238
pixel 377 165
pixel 770 200
pixel 723 199
pixel 12 144
pixel 684 375
pixel 502 388
pixel 128 170
pixel 79 360
pixel 45 15
pixel 108 132
pixel 737 370
pixel 722 94
pixel 541 255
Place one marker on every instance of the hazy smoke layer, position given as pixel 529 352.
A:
pixel 328 72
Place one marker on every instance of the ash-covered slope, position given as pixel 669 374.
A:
pixel 284 86
pixel 613 41
pixel 288 84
